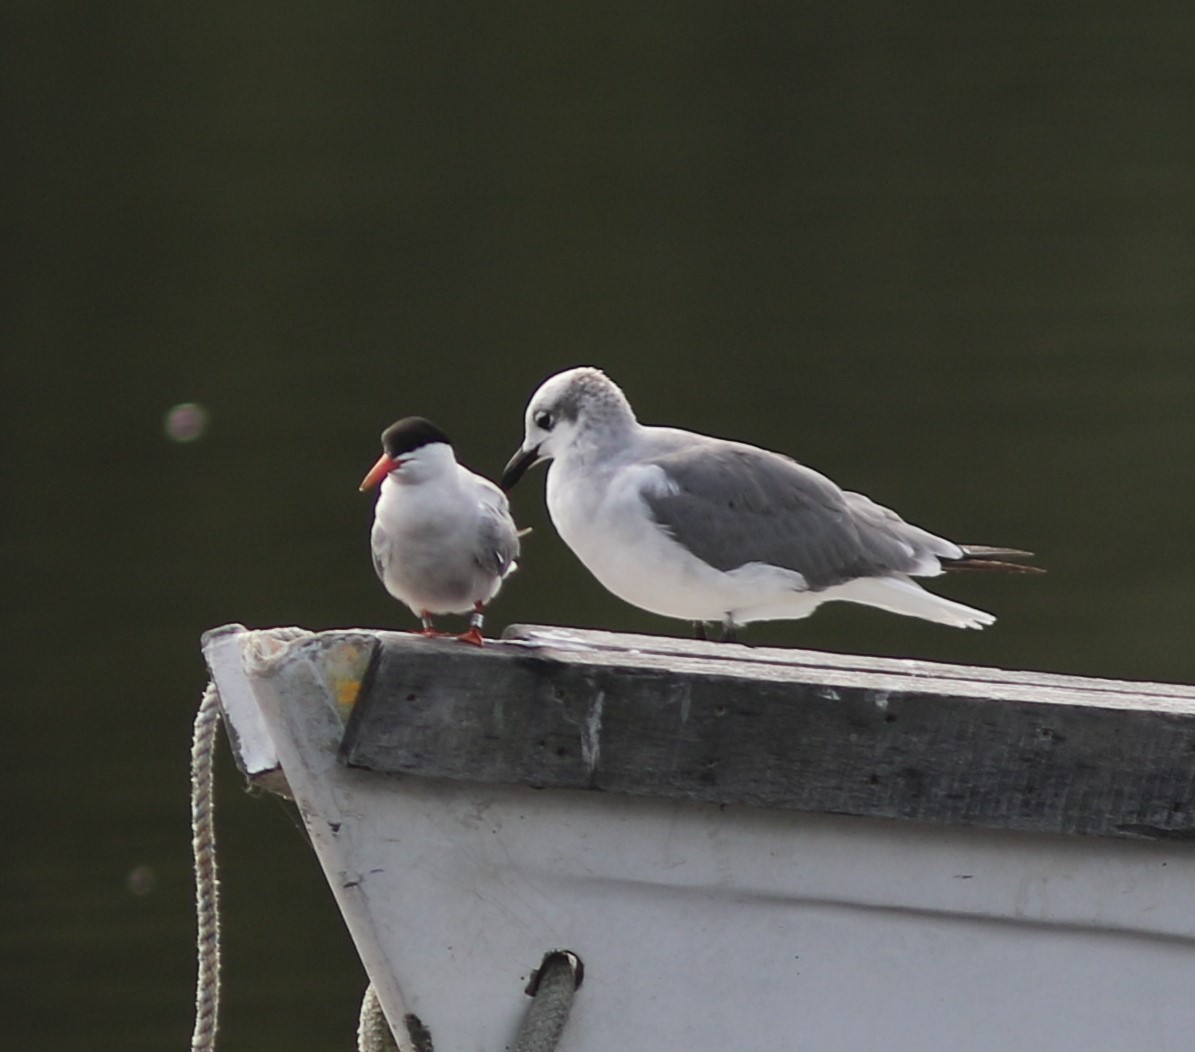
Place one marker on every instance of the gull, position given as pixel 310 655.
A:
pixel 443 540
pixel 688 526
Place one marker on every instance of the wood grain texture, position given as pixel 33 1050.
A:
pixel 786 729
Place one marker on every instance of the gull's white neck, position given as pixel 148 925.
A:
pixel 602 448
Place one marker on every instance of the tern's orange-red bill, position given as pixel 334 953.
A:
pixel 379 471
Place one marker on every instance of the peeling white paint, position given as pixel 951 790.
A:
pixel 591 733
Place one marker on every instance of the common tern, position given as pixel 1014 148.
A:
pixel 443 540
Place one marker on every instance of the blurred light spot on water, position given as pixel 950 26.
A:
pixel 185 422
pixel 141 881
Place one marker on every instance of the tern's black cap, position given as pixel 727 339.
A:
pixel 410 433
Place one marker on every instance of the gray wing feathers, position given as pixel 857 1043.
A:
pixel 379 546
pixel 498 539
pixel 732 504
pixel 923 542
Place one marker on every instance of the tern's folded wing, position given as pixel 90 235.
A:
pixel 497 536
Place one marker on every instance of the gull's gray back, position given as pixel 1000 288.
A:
pixel 732 504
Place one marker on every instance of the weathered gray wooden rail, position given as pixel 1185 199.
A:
pixel 816 732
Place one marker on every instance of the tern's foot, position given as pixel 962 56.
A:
pixel 431 633
pixel 472 636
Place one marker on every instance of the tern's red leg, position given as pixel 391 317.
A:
pixel 474 634
pixel 427 629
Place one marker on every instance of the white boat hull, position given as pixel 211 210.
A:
pixel 706 928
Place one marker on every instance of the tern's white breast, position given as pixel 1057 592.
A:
pixel 427 536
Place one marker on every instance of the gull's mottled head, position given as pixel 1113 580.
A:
pixel 577 407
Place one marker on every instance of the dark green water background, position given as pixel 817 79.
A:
pixel 943 252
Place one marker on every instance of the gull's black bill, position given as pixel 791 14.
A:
pixel 517 467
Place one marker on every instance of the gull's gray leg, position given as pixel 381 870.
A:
pixel 699 631
pixel 728 629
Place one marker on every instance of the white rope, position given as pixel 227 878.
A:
pixel 552 988
pixel 373 1032
pixel 207 886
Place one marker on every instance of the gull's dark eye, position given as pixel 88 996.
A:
pixel 543 420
